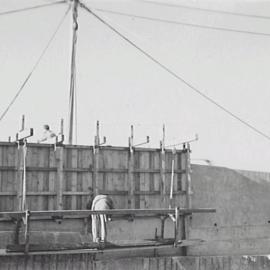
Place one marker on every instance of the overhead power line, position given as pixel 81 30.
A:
pixel 183 23
pixel 35 65
pixel 30 8
pixel 178 77
pixel 208 10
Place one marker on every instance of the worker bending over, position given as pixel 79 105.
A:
pixel 99 202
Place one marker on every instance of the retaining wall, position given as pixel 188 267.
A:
pixel 87 262
pixel 241 224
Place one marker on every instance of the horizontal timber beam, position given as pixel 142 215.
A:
pixel 78 170
pixel 90 147
pixel 108 253
pixel 86 193
pixel 113 212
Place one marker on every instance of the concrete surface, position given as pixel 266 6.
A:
pixel 87 261
pixel 241 224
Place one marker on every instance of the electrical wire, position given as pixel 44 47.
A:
pixel 30 8
pixel 208 10
pixel 178 77
pixel 35 65
pixel 183 23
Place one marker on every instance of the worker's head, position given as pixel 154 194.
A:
pixel 46 127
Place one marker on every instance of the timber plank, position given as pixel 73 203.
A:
pixel 150 179
pixel 32 177
pixel 142 182
pixel 10 187
pixel 53 262
pixel 87 177
pixel 23 263
pixel 60 178
pixel 86 184
pixel 33 201
pixel 90 170
pixel 96 167
pixel 68 176
pixel 8 184
pixel 69 263
pixel 123 177
pixel 19 159
pixel 79 187
pixel 179 167
pixel 42 180
pixel 6 180
pixel 136 179
pixel 162 177
pixel 226 263
pixel 86 193
pixel 2 200
pixel 74 164
pixel 130 181
pixel 52 179
pixel 146 264
pixel 84 178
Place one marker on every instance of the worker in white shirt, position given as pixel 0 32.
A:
pixel 99 202
pixel 47 134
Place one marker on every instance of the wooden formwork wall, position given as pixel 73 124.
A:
pixel 87 262
pixel 60 178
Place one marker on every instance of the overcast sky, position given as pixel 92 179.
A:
pixel 119 86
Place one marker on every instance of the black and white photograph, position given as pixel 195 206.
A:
pixel 135 134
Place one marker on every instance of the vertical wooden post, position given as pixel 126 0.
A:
pixel 180 233
pixel 23 123
pixel 22 168
pixel 172 178
pixel 60 177
pixel 186 177
pixel 96 161
pixel 183 168
pixel 96 169
pixel 24 205
pixel 74 176
pixel 62 126
pixel 21 165
pixel 19 176
pixel 162 168
pixel 176 227
pixel 131 199
pixel 162 226
pixel 18 226
pixel 52 179
pixel 188 191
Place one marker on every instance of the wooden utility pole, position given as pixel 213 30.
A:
pixel 73 69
